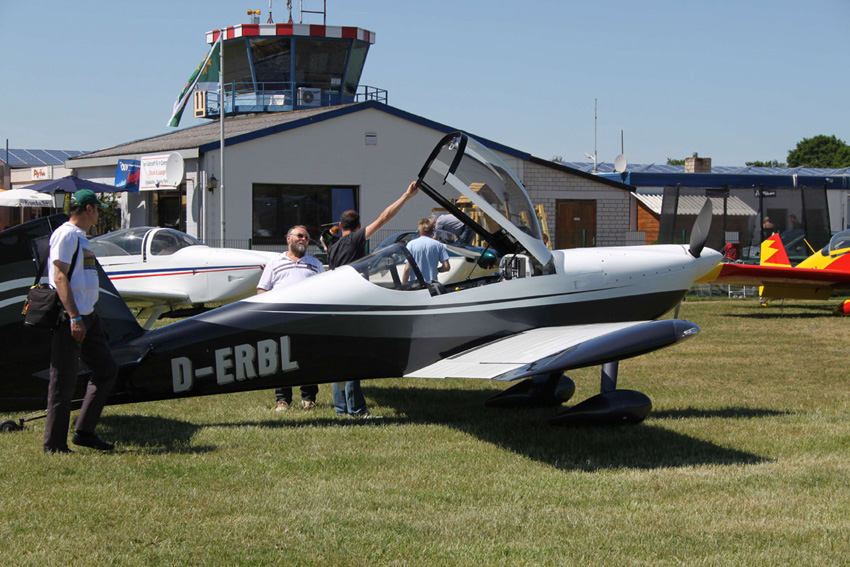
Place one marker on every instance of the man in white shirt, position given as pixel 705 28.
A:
pixel 293 266
pixel 79 336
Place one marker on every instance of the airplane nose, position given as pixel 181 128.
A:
pixel 706 262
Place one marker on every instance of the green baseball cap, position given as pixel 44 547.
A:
pixel 85 197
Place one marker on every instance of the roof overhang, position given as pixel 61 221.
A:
pixel 691 205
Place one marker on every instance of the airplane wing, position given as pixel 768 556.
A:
pixel 810 282
pixel 551 349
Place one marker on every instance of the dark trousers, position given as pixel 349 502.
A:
pixel 64 359
pixel 308 393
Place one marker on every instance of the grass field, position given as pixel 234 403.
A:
pixel 745 460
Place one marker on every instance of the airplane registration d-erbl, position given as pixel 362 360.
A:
pixel 543 313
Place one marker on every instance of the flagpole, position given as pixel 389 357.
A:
pixel 221 113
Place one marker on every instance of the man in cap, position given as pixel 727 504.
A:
pixel 79 336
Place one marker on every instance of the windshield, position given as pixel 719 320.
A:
pixel 386 268
pixel 126 242
pixel 839 242
pixel 168 241
pixel 129 241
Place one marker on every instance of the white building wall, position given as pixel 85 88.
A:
pixel 332 152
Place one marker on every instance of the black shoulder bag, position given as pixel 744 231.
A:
pixel 43 306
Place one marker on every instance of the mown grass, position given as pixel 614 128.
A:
pixel 745 460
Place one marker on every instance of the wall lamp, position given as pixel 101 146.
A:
pixel 212 183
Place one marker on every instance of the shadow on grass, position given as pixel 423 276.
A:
pixel 725 413
pixel 523 431
pixel 791 311
pixel 527 432
pixel 151 434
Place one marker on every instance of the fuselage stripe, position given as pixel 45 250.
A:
pixel 175 272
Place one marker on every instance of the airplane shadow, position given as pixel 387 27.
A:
pixel 153 434
pixel 522 431
pixel 527 432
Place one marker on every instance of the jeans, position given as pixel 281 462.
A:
pixel 349 400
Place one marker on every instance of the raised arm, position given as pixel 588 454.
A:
pixel 391 211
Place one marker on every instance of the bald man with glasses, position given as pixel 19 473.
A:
pixel 293 266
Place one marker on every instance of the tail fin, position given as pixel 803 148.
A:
pixel 773 252
pixel 26 351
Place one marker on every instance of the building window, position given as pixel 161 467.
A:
pixel 278 207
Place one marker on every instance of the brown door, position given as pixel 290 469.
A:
pixel 576 224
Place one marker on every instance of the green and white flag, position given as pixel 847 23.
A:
pixel 203 77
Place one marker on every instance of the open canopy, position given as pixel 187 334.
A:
pixel 471 182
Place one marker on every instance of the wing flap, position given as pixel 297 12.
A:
pixel 509 353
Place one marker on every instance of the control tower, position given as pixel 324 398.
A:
pixel 283 67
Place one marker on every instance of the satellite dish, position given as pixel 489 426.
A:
pixel 174 170
pixel 620 163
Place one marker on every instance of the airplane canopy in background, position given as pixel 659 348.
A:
pixel 72 184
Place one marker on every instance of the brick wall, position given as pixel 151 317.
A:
pixel 547 185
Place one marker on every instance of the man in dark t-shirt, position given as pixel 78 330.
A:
pixel 349 400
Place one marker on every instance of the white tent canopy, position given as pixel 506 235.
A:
pixel 25 198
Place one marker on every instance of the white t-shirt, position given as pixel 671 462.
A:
pixel 84 280
pixel 283 271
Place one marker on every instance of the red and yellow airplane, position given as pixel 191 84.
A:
pixel 816 277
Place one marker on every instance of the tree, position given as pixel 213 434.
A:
pixel 771 163
pixel 671 161
pixel 557 158
pixel 820 151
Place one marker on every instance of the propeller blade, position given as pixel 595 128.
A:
pixel 699 234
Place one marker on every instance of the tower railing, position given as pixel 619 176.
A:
pixel 247 97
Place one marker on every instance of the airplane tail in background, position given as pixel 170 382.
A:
pixel 26 351
pixel 773 252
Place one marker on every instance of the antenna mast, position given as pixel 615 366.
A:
pixel 323 12
pixel 593 157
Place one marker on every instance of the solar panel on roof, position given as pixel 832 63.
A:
pixel 19 157
pixel 43 157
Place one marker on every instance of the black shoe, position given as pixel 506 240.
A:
pixel 56 450
pixel 91 440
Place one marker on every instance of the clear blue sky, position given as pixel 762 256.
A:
pixel 733 80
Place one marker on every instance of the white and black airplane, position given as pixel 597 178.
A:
pixel 545 312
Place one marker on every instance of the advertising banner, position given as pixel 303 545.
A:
pixel 127 175
pixel 41 173
pixel 161 172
